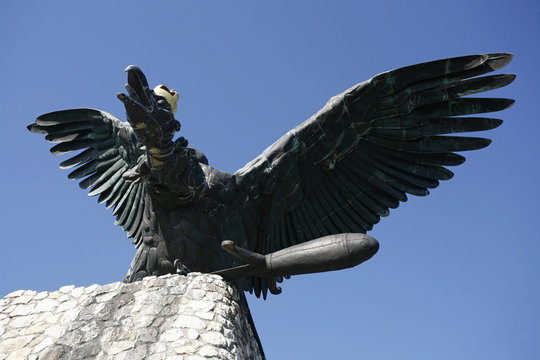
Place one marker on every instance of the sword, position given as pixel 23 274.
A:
pixel 328 253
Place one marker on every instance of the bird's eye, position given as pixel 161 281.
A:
pixel 164 104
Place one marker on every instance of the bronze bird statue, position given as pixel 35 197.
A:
pixel 309 196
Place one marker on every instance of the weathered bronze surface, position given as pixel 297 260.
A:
pixel 332 177
pixel 332 252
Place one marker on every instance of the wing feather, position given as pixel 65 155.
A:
pixel 81 158
pixel 129 225
pixel 109 149
pixel 359 156
pixel 119 207
pixel 113 173
pixel 137 215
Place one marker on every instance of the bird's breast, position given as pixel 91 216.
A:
pixel 190 235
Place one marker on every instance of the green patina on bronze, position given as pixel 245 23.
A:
pixel 306 202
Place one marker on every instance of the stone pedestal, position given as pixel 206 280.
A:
pixel 192 317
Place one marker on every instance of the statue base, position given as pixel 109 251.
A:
pixel 199 316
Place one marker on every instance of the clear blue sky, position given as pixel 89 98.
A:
pixel 457 274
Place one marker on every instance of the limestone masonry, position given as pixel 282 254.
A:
pixel 194 317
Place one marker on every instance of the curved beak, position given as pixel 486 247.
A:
pixel 137 85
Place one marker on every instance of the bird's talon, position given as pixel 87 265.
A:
pixel 272 287
pixel 181 268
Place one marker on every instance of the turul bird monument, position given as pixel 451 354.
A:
pixel 305 204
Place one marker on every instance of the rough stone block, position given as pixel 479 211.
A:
pixel 168 317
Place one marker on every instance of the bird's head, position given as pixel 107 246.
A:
pixel 150 112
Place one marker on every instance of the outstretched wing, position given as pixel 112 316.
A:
pixel 110 149
pixel 369 147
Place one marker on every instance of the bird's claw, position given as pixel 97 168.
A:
pixel 180 267
pixel 274 289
